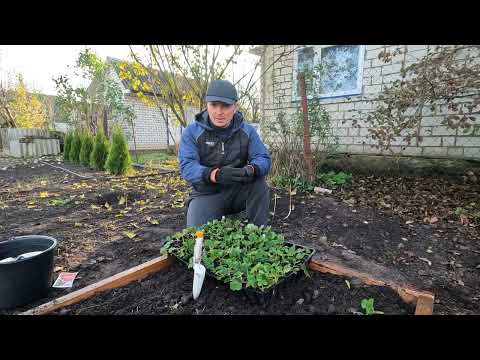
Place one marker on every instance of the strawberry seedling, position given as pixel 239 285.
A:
pixel 243 256
pixel 367 305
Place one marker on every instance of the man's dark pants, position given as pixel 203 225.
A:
pixel 254 197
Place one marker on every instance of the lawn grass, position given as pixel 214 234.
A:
pixel 151 158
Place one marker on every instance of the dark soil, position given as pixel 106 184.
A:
pixel 170 292
pixel 92 241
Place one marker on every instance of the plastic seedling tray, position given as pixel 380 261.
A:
pixel 264 296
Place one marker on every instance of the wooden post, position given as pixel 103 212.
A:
pixel 424 305
pixel 307 152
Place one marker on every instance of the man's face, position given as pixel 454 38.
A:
pixel 221 114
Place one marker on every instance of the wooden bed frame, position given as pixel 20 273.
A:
pixel 344 264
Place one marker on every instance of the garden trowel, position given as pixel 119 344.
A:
pixel 198 268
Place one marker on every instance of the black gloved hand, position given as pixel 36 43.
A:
pixel 231 175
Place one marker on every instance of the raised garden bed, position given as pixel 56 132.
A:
pixel 92 240
pixel 253 261
pixel 169 292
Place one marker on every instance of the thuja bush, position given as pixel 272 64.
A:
pixel 99 155
pixel 86 149
pixel 67 146
pixel 76 145
pixel 118 160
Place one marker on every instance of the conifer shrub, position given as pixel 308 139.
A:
pixel 67 146
pixel 99 155
pixel 75 147
pixel 118 160
pixel 86 149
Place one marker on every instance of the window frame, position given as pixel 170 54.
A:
pixel 316 61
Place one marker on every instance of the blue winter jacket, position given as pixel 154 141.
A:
pixel 202 149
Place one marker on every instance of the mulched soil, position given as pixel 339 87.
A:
pixel 170 292
pixel 402 223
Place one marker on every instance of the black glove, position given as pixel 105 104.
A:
pixel 231 175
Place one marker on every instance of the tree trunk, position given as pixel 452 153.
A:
pixel 168 131
pixel 134 140
pixel 105 123
pixel 307 152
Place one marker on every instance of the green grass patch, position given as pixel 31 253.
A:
pixel 151 158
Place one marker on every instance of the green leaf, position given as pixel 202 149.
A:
pixel 235 285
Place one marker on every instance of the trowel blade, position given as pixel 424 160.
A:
pixel 198 277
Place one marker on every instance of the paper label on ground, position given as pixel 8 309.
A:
pixel 64 280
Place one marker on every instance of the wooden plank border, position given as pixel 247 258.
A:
pixel 423 300
pixel 118 280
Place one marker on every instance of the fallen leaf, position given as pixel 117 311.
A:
pixel 77 224
pixel 43 194
pixel 129 234
pixel 122 200
pixel 107 206
pixel 409 222
pixel 426 260
pixel 320 190
pixel 348 284
pixel 152 221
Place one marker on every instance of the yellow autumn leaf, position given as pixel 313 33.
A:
pixel 129 234
pixel 43 194
pixel 31 206
pixel 122 200
pixel 31 203
pixel 77 224
pixel 152 221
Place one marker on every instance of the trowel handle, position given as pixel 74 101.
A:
pixel 197 250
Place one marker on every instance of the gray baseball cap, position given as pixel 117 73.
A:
pixel 223 91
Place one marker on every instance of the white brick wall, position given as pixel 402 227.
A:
pixel 150 126
pixel 438 140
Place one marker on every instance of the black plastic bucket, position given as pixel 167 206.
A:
pixel 28 279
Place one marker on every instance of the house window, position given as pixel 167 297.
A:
pixel 341 70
